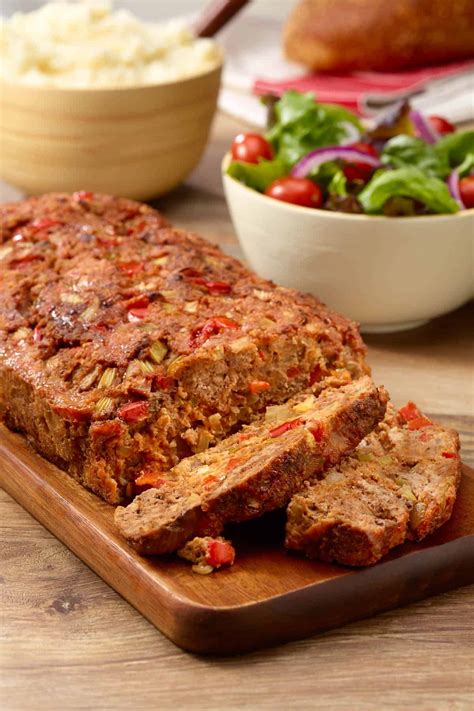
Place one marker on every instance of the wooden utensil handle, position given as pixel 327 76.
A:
pixel 216 15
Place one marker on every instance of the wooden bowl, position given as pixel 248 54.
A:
pixel 137 142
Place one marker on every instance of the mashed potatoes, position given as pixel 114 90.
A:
pixel 88 44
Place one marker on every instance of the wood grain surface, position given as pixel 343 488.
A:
pixel 68 641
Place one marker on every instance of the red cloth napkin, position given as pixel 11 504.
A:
pixel 352 89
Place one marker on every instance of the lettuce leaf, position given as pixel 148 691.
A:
pixel 302 125
pixel 257 175
pixel 406 182
pixel 455 147
pixel 404 151
pixel 338 185
pixel 467 166
pixel 324 173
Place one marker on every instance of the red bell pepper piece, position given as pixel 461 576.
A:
pixel 419 422
pixel 150 479
pixel 135 315
pixel 106 429
pixel 25 259
pixel 139 302
pixel 213 287
pixel 137 308
pixel 134 411
pixel 317 430
pixel 210 328
pixel 413 417
pixel 220 553
pixel 163 382
pixel 108 241
pixel 258 386
pixel 73 414
pixel 285 427
pixel 232 463
pixel 44 223
pixel 37 335
pixel 449 455
pixel 293 372
pixel 82 195
pixel 409 412
pixel 130 268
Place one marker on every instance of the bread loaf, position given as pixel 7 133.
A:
pixel 348 35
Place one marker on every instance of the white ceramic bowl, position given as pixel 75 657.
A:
pixel 388 273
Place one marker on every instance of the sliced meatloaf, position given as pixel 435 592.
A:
pixel 254 471
pixel 126 343
pixel 400 484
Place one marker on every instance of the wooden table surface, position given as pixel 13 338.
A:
pixel 70 642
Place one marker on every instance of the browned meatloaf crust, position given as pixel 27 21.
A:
pixel 126 343
pixel 254 471
pixel 400 484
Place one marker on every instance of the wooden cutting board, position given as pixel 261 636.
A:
pixel 267 597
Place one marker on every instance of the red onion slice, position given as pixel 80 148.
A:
pixel 453 185
pixel 423 128
pixel 324 155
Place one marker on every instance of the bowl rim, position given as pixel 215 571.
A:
pixel 334 215
pixel 44 88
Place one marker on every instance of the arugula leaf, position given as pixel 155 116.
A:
pixel 454 147
pixel 303 125
pixel 404 151
pixel 406 182
pixel 257 175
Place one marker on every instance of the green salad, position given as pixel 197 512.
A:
pixel 323 156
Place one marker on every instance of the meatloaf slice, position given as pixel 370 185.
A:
pixel 254 471
pixel 136 344
pixel 400 484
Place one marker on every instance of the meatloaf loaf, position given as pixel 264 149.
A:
pixel 400 484
pixel 126 343
pixel 255 470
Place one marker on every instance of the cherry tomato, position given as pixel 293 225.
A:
pixel 466 188
pixel 441 125
pixel 358 170
pixel 251 148
pixel 298 191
